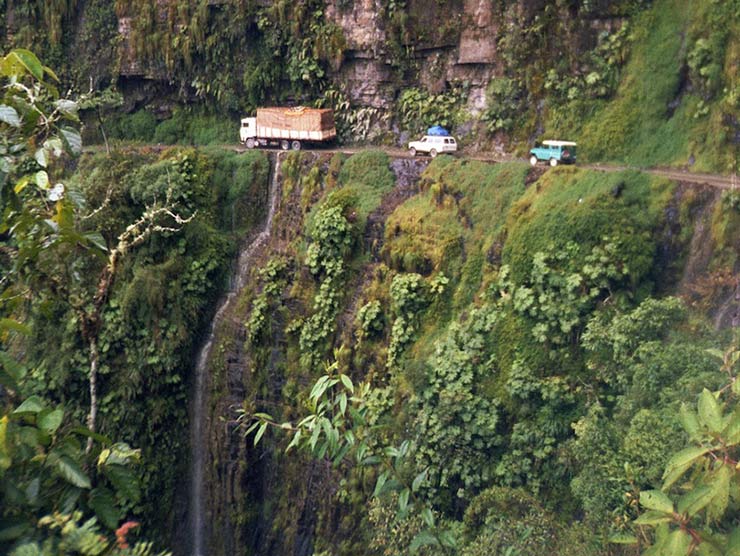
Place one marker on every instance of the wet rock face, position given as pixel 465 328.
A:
pixel 361 24
pixel 425 43
pixel 453 41
pixel 478 37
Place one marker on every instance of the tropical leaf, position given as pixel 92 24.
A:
pixel 380 484
pixel 103 502
pixel 710 412
pixel 653 517
pixel 260 432
pixel 5 454
pixel 73 139
pixel 695 500
pixel 49 420
pixel 656 500
pixel 690 422
pixel 33 404
pixel 720 492
pixel 66 106
pixel 680 462
pixel 28 60
pixel 347 383
pixel 71 471
pixel 9 115
pixel 623 538
pixel 403 500
pixel 677 543
pixel 124 481
pixel 423 538
pixel 418 480
pixel 97 239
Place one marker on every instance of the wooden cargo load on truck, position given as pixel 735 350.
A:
pixel 304 124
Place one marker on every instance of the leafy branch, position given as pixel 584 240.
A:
pixel 700 520
pixel 338 429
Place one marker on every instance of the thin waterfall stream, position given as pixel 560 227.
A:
pixel 198 446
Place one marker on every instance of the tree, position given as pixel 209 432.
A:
pixel 339 429
pixel 695 511
pixel 47 480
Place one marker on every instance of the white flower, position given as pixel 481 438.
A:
pixel 56 192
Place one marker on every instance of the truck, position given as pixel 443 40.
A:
pixel 553 152
pixel 288 128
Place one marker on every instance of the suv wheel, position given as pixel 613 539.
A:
pixel 553 162
pixel 533 160
pixel 412 151
pixel 433 153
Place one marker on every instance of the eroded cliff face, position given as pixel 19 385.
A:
pixel 388 46
pixel 453 41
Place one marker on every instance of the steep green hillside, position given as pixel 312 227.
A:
pixel 525 363
pixel 677 103
pixel 517 340
pixel 463 357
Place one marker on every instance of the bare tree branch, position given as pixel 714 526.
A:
pixel 135 234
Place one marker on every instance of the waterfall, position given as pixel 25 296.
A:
pixel 197 443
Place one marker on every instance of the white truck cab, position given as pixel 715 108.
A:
pixel 248 130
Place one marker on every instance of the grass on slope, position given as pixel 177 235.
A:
pixel 571 205
pixel 455 222
pixel 670 105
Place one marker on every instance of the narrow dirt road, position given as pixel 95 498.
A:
pixel 713 180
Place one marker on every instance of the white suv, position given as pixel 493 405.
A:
pixel 433 145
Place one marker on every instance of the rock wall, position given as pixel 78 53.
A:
pixel 447 41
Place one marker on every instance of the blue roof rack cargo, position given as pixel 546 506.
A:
pixel 438 130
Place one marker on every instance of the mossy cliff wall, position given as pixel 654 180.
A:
pixel 636 81
pixel 503 277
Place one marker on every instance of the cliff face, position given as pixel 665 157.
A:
pixel 448 226
pixel 387 46
pixel 447 41
pixel 450 42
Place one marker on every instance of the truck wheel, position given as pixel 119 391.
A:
pixel 295 145
pixel 250 143
pixel 533 160
pixel 433 153
pixel 553 162
pixel 412 151
pixel 284 145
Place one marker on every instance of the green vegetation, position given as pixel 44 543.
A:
pixel 48 480
pixel 494 364
pixel 659 114
pixel 162 294
pixel 182 128
pixel 108 276
pixel 514 350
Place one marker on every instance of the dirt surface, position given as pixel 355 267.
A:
pixel 712 180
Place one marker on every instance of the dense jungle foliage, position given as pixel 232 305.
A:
pixel 109 271
pixel 488 359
